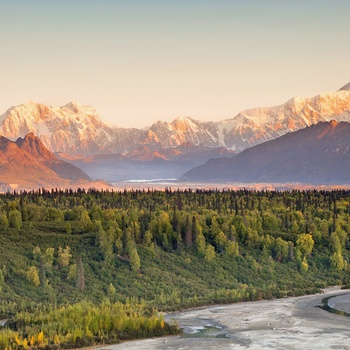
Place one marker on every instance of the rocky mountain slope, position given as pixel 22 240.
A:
pixel 319 154
pixel 26 164
pixel 33 146
pixel 78 130
pixel 346 87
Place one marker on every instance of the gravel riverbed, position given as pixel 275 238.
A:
pixel 289 323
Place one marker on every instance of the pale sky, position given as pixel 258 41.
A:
pixel 138 61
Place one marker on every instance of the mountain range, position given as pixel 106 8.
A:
pixel 318 154
pixel 75 129
pixel 27 164
pixel 75 137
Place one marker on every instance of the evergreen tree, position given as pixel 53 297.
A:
pixel 135 263
pixel 2 280
pixel 80 280
pixel 188 232
pixel 200 244
pixel 111 292
pixel 15 219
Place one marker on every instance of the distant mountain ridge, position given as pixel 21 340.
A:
pixel 26 164
pixel 78 130
pixel 147 162
pixel 318 154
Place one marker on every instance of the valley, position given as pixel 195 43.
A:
pixel 174 175
pixel 290 323
pixel 123 225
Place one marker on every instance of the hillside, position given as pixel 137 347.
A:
pixel 191 244
pixel 132 252
pixel 318 154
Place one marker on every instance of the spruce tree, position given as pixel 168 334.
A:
pixel 80 282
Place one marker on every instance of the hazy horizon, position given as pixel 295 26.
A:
pixel 140 61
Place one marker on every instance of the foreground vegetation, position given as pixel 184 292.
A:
pixel 79 268
pixel 83 324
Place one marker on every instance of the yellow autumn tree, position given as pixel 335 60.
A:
pixel 33 276
pixel 40 337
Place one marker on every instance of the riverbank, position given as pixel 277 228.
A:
pixel 341 303
pixel 288 323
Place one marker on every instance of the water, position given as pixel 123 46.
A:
pixel 157 181
pixel 202 332
pixel 333 310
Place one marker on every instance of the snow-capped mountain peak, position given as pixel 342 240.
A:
pixel 69 128
pixel 78 129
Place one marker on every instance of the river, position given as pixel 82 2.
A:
pixel 289 323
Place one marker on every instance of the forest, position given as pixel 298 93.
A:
pixel 88 267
